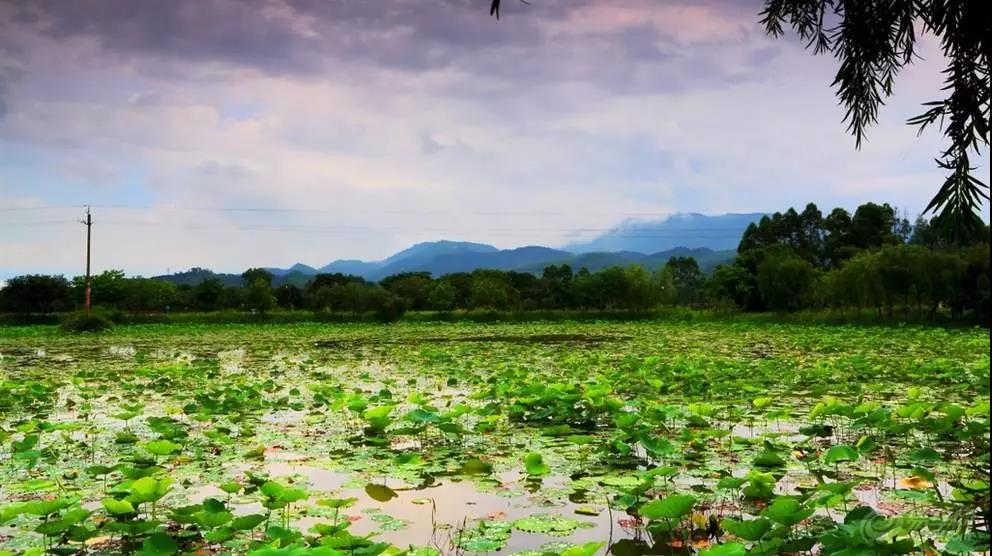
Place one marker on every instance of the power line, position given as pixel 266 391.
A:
pixel 37 223
pixel 38 207
pixel 341 211
pixel 638 232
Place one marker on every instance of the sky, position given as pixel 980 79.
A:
pixel 237 133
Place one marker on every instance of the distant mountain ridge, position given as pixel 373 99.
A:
pixel 531 259
pixel 720 232
pixel 711 240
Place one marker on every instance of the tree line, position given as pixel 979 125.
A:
pixel 791 261
pixel 869 260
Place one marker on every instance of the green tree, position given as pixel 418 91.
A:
pixel 109 288
pixel 36 293
pixel 663 284
pixel 837 244
pixel 557 284
pixel 148 294
pixel 786 281
pixel 527 290
pixel 609 288
pixel 902 273
pixel 289 296
pixel 385 306
pixel 490 291
pixel 688 278
pixel 461 283
pixel 413 287
pixel 857 283
pixel 320 298
pixel 732 283
pixel 252 275
pixel 873 226
pixel 809 243
pixel 927 234
pixel 258 296
pixel 208 294
pixel 972 294
pixel 442 296
pixel 641 293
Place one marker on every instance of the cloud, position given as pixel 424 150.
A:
pixel 395 122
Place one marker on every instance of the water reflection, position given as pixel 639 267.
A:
pixel 440 507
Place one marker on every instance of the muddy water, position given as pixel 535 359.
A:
pixel 438 511
pixel 436 514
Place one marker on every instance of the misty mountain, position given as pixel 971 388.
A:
pixel 508 259
pixel 440 258
pixel 423 252
pixel 349 266
pixel 299 268
pixel 596 261
pixel 718 233
pixel 417 258
pixel 711 240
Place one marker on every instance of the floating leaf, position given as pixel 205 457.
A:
pixel 546 523
pixel 380 493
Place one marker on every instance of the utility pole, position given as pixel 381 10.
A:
pixel 88 222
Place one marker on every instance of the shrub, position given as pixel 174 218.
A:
pixel 390 309
pixel 82 321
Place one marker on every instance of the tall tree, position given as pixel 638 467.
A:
pixel 252 275
pixel 786 281
pixel 258 296
pixel 687 278
pixel 36 293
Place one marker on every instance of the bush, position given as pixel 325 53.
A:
pixel 82 321
pixel 390 309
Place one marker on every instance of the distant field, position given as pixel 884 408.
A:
pixel 653 437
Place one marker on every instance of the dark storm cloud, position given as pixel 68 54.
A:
pixel 3 96
pixel 278 38
pixel 323 38
pixel 206 30
pixel 8 74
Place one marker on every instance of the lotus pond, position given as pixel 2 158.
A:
pixel 429 439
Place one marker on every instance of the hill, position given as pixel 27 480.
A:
pixel 450 259
pixel 711 240
pixel 718 233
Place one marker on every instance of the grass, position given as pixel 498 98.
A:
pixel 828 316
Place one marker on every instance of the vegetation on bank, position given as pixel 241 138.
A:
pixel 791 262
pixel 865 317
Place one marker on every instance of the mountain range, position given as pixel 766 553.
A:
pixel 720 232
pixel 711 240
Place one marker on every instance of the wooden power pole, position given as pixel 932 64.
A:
pixel 89 228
